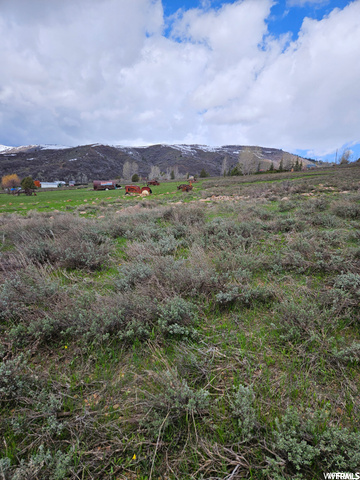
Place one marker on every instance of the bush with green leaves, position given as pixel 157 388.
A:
pixel 192 216
pixel 28 184
pixel 246 295
pixel 5 467
pixel 180 398
pixel 325 220
pixel 348 282
pixel 73 252
pixel 306 445
pixel 167 245
pixel 177 316
pixel 293 441
pixel 242 410
pixel 78 315
pixel 41 465
pixel 15 379
pixel 346 354
pixel 131 274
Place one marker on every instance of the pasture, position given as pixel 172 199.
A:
pixel 205 335
pixel 71 198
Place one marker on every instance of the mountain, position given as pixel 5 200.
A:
pixel 85 163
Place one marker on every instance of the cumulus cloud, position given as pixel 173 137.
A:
pixel 313 85
pixel 105 71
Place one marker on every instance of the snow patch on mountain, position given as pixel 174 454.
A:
pixel 53 147
pixel 4 148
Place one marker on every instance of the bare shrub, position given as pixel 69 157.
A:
pixel 28 293
pixel 163 276
pixel 346 209
pixel 303 323
pixel 174 403
pixel 315 205
pixel 63 241
pixel 286 205
pixel 185 216
pixel 324 220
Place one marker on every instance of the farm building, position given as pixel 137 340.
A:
pixel 58 183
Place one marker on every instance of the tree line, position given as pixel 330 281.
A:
pixel 11 183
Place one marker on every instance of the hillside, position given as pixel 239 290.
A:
pixel 90 162
pixel 183 336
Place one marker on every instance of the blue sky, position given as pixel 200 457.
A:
pixel 282 74
pixel 285 16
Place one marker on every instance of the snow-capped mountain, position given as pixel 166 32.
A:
pixel 96 161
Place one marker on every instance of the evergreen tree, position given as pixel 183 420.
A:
pixel 135 178
pixel 271 169
pixel 203 173
pixel 28 185
pixel 235 171
pixel 281 166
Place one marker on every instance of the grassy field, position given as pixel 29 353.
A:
pixel 210 335
pixel 87 199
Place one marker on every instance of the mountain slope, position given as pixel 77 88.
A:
pixel 89 162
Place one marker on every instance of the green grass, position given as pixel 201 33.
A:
pixel 68 199
pixel 183 334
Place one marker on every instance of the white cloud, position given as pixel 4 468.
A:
pixel 103 71
pixel 309 94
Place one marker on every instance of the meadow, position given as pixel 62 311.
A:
pixel 205 335
pixel 67 199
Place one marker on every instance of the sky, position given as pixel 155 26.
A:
pixel 282 74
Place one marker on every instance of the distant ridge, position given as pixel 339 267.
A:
pixel 96 161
